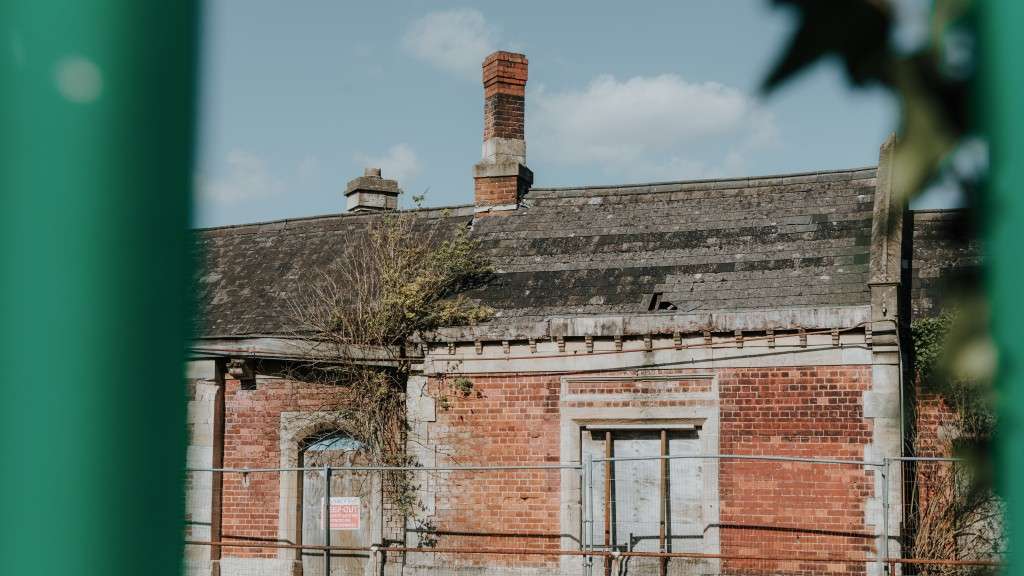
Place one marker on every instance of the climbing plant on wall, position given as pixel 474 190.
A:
pixel 939 369
pixel 389 287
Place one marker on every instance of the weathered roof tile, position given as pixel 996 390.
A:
pixel 779 241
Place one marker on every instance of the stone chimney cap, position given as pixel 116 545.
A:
pixel 371 193
pixel 371 181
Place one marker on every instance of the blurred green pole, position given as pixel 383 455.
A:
pixel 97 100
pixel 1002 114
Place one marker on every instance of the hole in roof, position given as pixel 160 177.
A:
pixel 652 302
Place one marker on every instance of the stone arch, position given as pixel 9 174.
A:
pixel 295 429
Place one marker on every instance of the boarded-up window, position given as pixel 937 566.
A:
pixel 641 502
pixel 338 451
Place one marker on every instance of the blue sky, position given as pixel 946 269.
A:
pixel 297 98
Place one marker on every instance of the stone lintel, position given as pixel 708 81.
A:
pixel 487 169
pixel 504 150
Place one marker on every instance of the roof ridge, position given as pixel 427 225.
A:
pixel 549 189
pixel 704 180
pixel 334 215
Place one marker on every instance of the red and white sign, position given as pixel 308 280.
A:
pixel 345 513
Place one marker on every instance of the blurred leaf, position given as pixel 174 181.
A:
pixel 933 103
pixel 926 137
pixel 857 31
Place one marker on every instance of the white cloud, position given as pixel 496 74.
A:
pixel 398 163
pixel 453 40
pixel 658 127
pixel 247 178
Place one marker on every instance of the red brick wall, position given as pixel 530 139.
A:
pixel 507 420
pixel 497 190
pixel 807 510
pixel 504 116
pixel 932 415
pixel 251 440
pixel 766 507
pixel 510 419
pixel 935 424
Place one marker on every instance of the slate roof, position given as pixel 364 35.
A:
pixel 712 245
pixel 946 260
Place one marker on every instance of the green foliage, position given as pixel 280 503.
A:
pixel 944 365
pixel 427 293
pixel 929 336
pixel 444 403
pixel 419 284
pixel 464 386
pixel 961 513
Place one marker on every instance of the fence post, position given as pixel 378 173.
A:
pixel 217 479
pixel 587 538
pixel 378 528
pixel 609 452
pixel 884 552
pixel 300 479
pixel 956 517
pixel 327 520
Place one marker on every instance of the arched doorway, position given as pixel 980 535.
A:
pixel 357 487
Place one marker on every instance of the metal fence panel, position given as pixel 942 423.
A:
pixel 634 513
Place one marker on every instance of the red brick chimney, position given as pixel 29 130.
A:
pixel 502 177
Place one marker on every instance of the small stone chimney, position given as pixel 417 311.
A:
pixel 371 193
pixel 502 178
